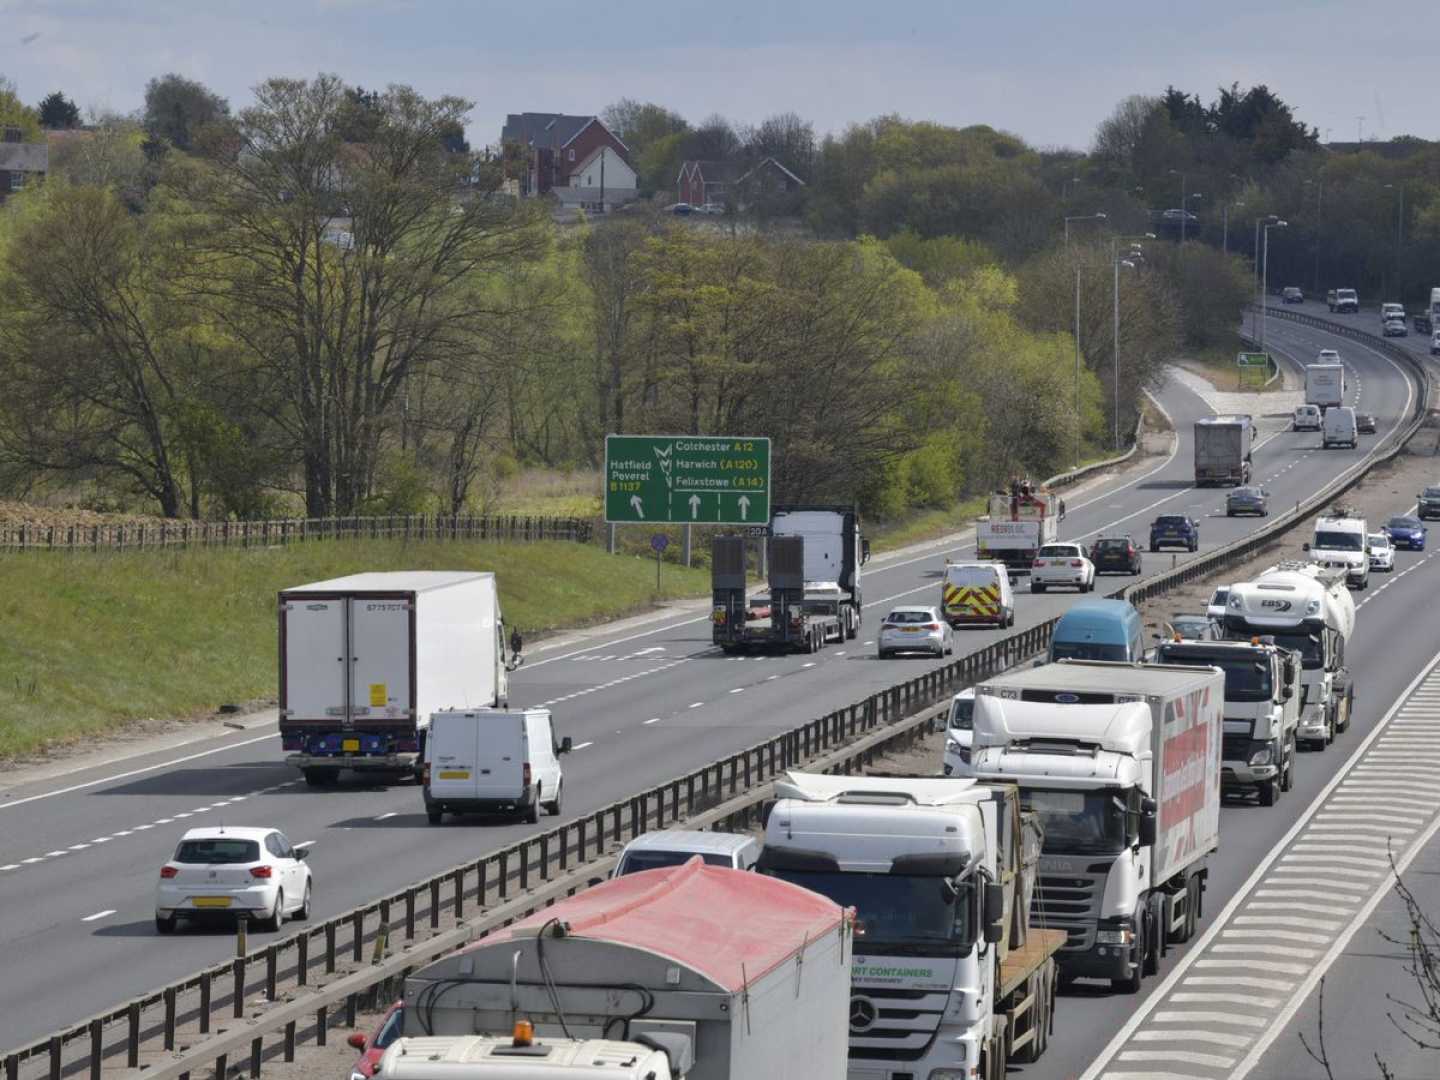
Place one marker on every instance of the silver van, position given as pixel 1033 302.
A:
pixel 675 847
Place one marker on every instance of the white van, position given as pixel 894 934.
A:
pixel 1340 428
pixel 676 847
pixel 977 594
pixel 491 761
pixel 1342 542
pixel 1307 418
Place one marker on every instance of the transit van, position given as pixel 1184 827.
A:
pixel 1099 630
pixel 977 594
pixel 491 761
pixel 1340 428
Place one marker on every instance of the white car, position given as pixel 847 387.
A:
pixel 661 848
pixel 915 629
pixel 227 870
pixel 1328 356
pixel 960 734
pixel 1307 418
pixel 1218 600
pixel 1382 552
pixel 1063 565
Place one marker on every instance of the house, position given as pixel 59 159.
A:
pixel 21 163
pixel 576 158
pixel 735 183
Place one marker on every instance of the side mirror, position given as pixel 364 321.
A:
pixel 357 1040
pixel 567 744
pixel 1304 547
pixel 994 913
pixel 517 643
pixel 864 551
pixel 301 852
pixel 1149 823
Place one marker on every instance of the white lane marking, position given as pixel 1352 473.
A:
pixel 1205 1016
pixel 1185 1057
pixel 696 704
pixel 303 844
pixel 869 643
pixel 653 648
pixel 53 854
pixel 840 653
pixel 738 690
pixel 78 847
pixel 808 664
pixel 583 745
pixel 98 915
pixel 391 814
pixel 1197 1035
pixel 10 866
pixel 33 859
pixel 653 720
pixel 1248 1000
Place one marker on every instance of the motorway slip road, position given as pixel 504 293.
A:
pixel 79 854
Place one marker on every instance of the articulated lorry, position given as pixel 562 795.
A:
pixel 1122 763
pixel 697 971
pixel 1222 449
pixel 1016 525
pixel 1308 609
pixel 366 659
pixel 1325 385
pixel 1262 710
pixel 951 977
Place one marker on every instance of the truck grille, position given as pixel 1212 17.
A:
pixel 1071 902
pixel 904 1026
pixel 1234 747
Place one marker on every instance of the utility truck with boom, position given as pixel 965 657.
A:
pixel 1308 609
pixel 1017 525
pixel 366 659
pixel 1262 710
pixel 1222 449
pixel 950 976
pixel 1122 764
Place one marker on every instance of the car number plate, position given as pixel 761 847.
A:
pixel 350 745
pixel 455 774
pixel 910 629
pixel 210 901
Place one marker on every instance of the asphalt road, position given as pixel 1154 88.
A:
pixel 79 854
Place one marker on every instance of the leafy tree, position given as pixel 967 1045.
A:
pixel 785 137
pixel 639 125
pixel 15 113
pixel 58 112
pixel 177 108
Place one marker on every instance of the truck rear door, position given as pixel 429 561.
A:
pixel 382 655
pixel 313 682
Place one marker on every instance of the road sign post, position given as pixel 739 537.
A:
pixel 659 542
pixel 1248 362
pixel 687 479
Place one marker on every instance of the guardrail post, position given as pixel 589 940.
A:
pixel 290 1042
pixel 12 1067
pixel 169 1018
pixel 409 893
pixel 504 868
pixel 238 1003
pixel 524 854
pixel 357 937
pixel 272 961
pixel 132 1037
pixel 322 1021
pixel 545 851
pixel 205 1003
pixel 302 958
pixel 255 1047
pixel 330 947
pixel 580 840
pixel 97 1031
pixel 459 879
pixel 54 1048
pixel 434 903
pixel 221 1066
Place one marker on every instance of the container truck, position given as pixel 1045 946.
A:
pixel 1308 609
pixel 793 615
pixel 1122 763
pixel 742 975
pixel 1325 385
pixel 366 659
pixel 1017 524
pixel 951 977
pixel 1222 449
pixel 1262 710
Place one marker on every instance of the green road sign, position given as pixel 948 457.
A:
pixel 687 479
pixel 1253 359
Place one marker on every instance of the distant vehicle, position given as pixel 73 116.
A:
pixel 1177 215
pixel 1344 301
pixel 1325 383
pixel 675 847
pixel 680 208
pixel 1116 554
pixel 1340 428
pixel 1247 500
pixel 960 734
pixel 1423 323
pixel 1170 529
pixel 1382 551
pixel 977 594
pixel 915 629
pixel 1307 418
pixel 1223 446
pixel 1365 423
pixel 1194 628
pixel 481 761
pixel 1435 344
pixel 1215 609
pixel 1339 544
pixel 1099 630
pixel 1292 294
pixel 1328 356
pixel 1395 328
pixel 714 209
pixel 1427 503
pixel 229 870
pixel 372 1048
pixel 1063 566
pixel 1392 311
pixel 1407 532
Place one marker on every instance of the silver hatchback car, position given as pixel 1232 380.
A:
pixel 915 629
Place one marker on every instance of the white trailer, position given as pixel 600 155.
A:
pixel 1222 449
pixel 1325 385
pixel 748 972
pixel 1122 763
pixel 366 659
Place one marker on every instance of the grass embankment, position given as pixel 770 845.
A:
pixel 91 644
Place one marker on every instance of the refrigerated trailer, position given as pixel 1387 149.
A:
pixel 366 659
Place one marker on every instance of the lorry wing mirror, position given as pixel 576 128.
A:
pixel 1149 823
pixel 864 551
pixel 567 744
pixel 994 912
pixel 516 642
pixel 1304 547
pixel 949 891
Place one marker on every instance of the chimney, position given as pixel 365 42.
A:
pixel 13 134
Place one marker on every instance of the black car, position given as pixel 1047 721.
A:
pixel 1174 529
pixel 1115 554
pixel 1365 423
pixel 1427 503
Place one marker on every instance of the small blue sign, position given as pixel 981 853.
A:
pixel 659 541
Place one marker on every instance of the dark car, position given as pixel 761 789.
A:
pixel 1292 295
pixel 1193 627
pixel 1174 529
pixel 1247 500
pixel 372 1048
pixel 1427 503
pixel 1365 423
pixel 1407 532
pixel 1115 554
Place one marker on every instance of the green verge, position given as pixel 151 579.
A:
pixel 93 643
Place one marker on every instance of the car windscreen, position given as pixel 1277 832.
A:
pixel 962 714
pixel 969 577
pixel 1379 540
pixel 909 617
pixel 1058 551
pixel 394 1025
pixel 1221 597
pixel 1170 522
pixel 894 913
pixel 1328 540
pixel 1191 628
pixel 636 861
pixel 1112 545
pixel 1403 523
pixel 216 851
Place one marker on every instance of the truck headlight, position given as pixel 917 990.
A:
pixel 1122 936
pixel 1262 756
pixel 952 747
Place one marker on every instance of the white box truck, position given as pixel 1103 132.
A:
pixel 1325 385
pixel 1122 763
pixel 366 659
pixel 951 977
pixel 1222 449
pixel 740 973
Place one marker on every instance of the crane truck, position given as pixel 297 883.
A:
pixel 1017 524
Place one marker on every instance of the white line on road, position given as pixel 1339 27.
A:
pixel 583 745
pixel 98 915
pixel 653 720
pixel 696 704
pixel 10 866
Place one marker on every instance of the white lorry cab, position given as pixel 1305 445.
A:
pixel 1342 542
pixel 977 594
pixel 492 761
pixel 525 1057
pixel 1340 428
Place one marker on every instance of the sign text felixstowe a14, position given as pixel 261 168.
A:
pixel 687 479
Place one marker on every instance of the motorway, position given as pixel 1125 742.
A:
pixel 79 853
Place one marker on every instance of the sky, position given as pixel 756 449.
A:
pixel 1047 70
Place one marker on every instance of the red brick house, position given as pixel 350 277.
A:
pixel 544 152
pixel 733 183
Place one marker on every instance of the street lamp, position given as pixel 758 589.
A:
pixel 1265 278
pixel 1255 270
pixel 1129 262
pixel 1099 215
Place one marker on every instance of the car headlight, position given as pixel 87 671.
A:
pixel 1262 756
pixel 952 747
pixel 1122 936
pixel 950 1074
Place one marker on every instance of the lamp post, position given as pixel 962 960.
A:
pixel 1099 215
pixel 1265 278
pixel 1129 263
pixel 1254 319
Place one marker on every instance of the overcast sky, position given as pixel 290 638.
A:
pixel 1048 70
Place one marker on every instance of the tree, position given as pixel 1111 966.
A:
pixel 785 137
pixel 714 140
pixel 15 113
pixel 110 156
pixel 639 125
pixel 1119 137
pixel 58 112
pixel 177 108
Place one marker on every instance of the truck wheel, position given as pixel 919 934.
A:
pixel 317 776
pixel 852 627
pixel 1269 793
